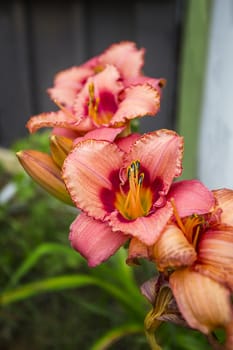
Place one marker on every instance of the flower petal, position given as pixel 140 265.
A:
pixel 160 153
pixel 173 250
pixel 50 119
pixel 94 239
pixel 145 228
pixel 157 83
pixel 69 133
pixel 126 57
pixel 106 83
pixel 104 133
pixel 204 303
pixel 68 83
pixel 138 101
pixel 191 197
pixel 89 169
pixel 216 250
pixel 225 200
pixel 125 143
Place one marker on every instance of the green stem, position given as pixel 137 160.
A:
pixel 150 336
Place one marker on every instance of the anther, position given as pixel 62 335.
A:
pixel 140 180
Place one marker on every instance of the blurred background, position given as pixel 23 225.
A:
pixel 49 298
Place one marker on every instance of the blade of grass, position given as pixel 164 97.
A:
pixel 116 334
pixel 71 281
pixel 32 259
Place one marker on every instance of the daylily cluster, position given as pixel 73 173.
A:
pixel 125 188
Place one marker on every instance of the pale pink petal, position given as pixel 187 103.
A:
pixel 160 153
pixel 125 143
pixel 173 250
pixel 191 197
pixel 157 83
pixel 68 83
pixel 106 83
pixel 204 303
pixel 94 239
pixel 104 133
pixel 71 134
pixel 216 249
pixel 50 119
pixel 90 172
pixel 225 200
pixel 73 76
pixel 145 228
pixel 126 57
pixel 91 63
pixel 139 101
pixel 84 125
pixel 64 94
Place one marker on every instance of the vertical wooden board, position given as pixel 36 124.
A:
pixel 56 45
pixel 108 22
pixel 14 83
pixel 157 29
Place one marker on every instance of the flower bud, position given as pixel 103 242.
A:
pixel 41 167
pixel 60 146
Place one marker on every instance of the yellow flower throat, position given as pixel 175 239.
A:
pixel 137 201
pixel 93 108
pixel 191 226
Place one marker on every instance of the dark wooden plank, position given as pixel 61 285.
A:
pixel 57 37
pixel 158 26
pixel 15 105
pixel 108 22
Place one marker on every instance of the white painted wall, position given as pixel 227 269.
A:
pixel 215 154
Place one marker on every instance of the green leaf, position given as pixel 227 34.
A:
pixel 71 281
pixel 32 259
pixel 116 334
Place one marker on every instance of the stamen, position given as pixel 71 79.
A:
pixel 190 226
pixel 93 103
pixel 137 200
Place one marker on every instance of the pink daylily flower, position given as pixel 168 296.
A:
pixel 199 249
pixel 93 94
pixel 127 187
pixel 102 102
pixel 124 56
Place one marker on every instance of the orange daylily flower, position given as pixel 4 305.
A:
pixel 196 253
